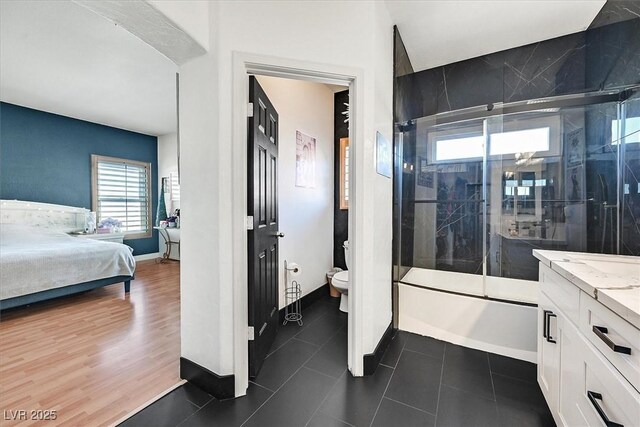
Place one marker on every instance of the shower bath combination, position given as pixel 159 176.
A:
pixel 478 189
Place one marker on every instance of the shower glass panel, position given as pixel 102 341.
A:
pixel 629 138
pixel 478 189
pixel 547 170
pixel 443 175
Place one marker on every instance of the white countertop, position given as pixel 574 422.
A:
pixel 614 280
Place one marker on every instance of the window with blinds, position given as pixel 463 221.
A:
pixel 121 189
pixel 174 182
pixel 344 173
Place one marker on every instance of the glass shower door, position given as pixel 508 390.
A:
pixel 629 137
pixel 551 180
pixel 444 165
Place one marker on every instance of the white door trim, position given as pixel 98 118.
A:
pixel 243 65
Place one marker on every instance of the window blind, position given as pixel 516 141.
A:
pixel 122 191
pixel 175 189
pixel 344 173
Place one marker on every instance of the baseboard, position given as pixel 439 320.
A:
pixel 220 387
pixel 309 299
pixel 145 257
pixel 372 360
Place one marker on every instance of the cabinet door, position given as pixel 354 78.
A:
pixel 549 351
pixel 606 398
pixel 572 348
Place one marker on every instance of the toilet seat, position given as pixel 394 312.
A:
pixel 342 277
pixel 340 281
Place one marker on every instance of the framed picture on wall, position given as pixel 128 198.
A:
pixel 384 156
pixel 305 160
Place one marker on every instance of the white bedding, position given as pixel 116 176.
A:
pixel 33 259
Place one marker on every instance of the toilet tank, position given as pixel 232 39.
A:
pixel 345 245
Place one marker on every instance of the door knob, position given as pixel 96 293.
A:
pixel 279 234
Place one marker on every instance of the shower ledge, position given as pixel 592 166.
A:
pixel 614 280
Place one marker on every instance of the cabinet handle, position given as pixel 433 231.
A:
pixel 593 398
pixel 547 325
pixel 601 332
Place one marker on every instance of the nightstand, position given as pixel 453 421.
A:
pixel 105 237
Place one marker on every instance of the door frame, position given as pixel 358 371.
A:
pixel 245 64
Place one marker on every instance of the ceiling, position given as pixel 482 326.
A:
pixel 438 32
pixel 62 58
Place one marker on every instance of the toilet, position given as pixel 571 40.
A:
pixel 340 281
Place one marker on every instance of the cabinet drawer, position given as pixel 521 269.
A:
pixel 606 394
pixel 562 292
pixel 605 330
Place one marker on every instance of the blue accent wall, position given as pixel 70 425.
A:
pixel 46 158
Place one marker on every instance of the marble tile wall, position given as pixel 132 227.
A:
pixel 602 57
pixel 605 56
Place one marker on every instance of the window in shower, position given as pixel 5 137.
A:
pixel 631 130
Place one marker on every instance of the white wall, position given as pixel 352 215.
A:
pixel 496 327
pixel 305 214
pixel 167 163
pixel 355 35
pixel 377 290
pixel 191 16
pixel 206 328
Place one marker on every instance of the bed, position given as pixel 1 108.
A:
pixel 39 260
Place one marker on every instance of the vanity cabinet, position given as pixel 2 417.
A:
pixel 584 381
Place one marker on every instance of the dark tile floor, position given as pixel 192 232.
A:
pixel 421 382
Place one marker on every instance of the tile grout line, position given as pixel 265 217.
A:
pixel 261 386
pixel 403 345
pixel 407 405
pixel 336 332
pixel 322 373
pixel 444 353
pixel 326 397
pixel 470 393
pixel 388 382
pixel 307 342
pixel 297 333
pixel 423 354
pixel 493 387
pixel 195 412
pixel 287 342
pixel 334 418
pixel 514 378
pixel 288 379
pixel 189 417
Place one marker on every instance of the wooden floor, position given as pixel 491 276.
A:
pixel 93 357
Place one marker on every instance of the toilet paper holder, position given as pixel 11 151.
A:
pixel 295 269
pixel 292 295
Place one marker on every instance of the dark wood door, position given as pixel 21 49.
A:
pixel 263 238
